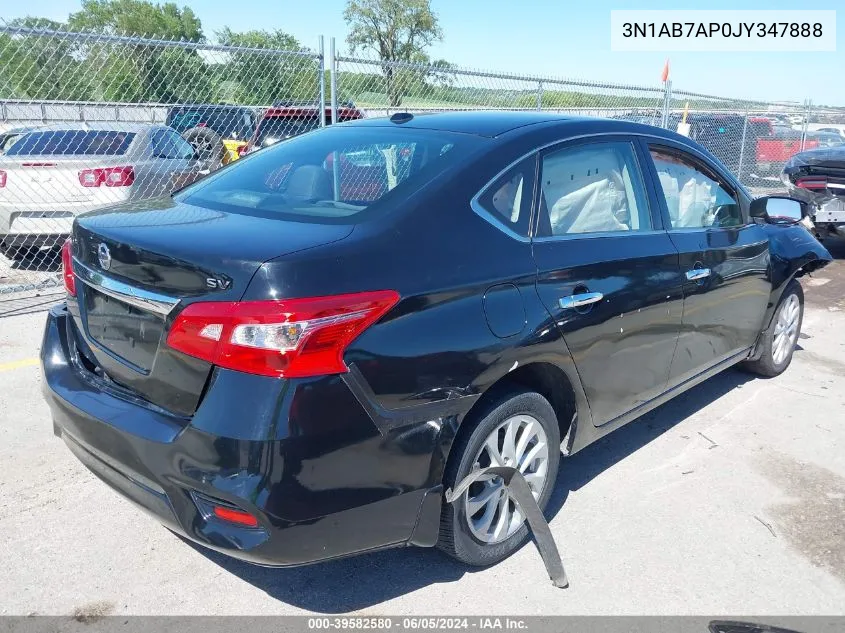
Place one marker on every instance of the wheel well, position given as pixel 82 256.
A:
pixel 548 380
pixel 809 267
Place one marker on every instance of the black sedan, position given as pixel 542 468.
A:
pixel 292 359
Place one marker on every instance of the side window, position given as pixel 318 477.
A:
pixel 159 144
pixel 247 126
pixel 168 144
pixel 508 198
pixel 591 189
pixel 694 199
pixel 180 148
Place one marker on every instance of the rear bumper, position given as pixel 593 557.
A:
pixel 17 241
pixel 317 496
pixel 24 220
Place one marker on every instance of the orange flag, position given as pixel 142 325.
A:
pixel 665 75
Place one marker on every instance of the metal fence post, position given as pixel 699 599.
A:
pixel 742 144
pixel 808 105
pixel 335 154
pixel 539 95
pixel 333 75
pixel 667 98
pixel 322 107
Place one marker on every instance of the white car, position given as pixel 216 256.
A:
pixel 53 174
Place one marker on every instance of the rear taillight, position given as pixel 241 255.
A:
pixel 2 178
pixel 223 510
pixel 238 517
pixel 811 183
pixel 108 176
pixel 67 267
pixel 241 149
pixel 287 338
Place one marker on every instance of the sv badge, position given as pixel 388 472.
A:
pixel 218 283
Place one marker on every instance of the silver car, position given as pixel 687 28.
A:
pixel 50 175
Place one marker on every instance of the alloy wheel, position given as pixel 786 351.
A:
pixel 521 442
pixel 786 329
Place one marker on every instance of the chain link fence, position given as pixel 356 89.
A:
pixel 90 120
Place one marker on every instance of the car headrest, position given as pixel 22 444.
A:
pixel 309 183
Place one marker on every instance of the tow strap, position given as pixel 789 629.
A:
pixel 520 492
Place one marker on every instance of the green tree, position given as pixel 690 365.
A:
pixel 397 31
pixel 144 72
pixel 41 65
pixel 138 17
pixel 264 77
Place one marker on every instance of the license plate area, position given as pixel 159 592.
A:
pixel 129 333
pixel 832 211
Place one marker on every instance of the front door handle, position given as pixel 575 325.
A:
pixel 698 273
pixel 583 299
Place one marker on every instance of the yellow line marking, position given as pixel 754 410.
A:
pixel 17 364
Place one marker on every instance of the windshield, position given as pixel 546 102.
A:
pixel 334 174
pixel 274 129
pixel 227 122
pixel 73 142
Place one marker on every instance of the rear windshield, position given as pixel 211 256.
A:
pixel 73 142
pixel 274 129
pixel 332 175
pixel 228 123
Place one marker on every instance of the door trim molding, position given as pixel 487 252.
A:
pixel 678 389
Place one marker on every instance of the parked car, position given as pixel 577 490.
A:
pixel 287 119
pixel 824 139
pixel 287 370
pixel 721 134
pixel 839 131
pixel 9 137
pixel 818 178
pixel 218 133
pixel 51 175
pixel 773 151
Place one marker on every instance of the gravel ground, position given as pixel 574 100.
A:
pixel 729 499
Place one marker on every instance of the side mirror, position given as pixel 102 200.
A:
pixel 778 210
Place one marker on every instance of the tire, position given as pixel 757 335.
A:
pixel 207 144
pixel 481 546
pixel 786 322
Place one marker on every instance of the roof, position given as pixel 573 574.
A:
pixel 21 130
pixel 343 112
pixel 493 123
pixel 109 126
pixel 489 123
pixel 211 106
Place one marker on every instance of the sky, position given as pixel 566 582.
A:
pixel 559 38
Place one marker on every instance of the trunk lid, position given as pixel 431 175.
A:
pixel 139 262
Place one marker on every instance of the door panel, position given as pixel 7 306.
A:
pixel 723 311
pixel 607 273
pixel 623 344
pixel 724 260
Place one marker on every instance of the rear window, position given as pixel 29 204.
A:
pixel 228 123
pixel 334 175
pixel 274 129
pixel 73 142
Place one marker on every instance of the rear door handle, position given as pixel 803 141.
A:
pixel 698 273
pixel 583 299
